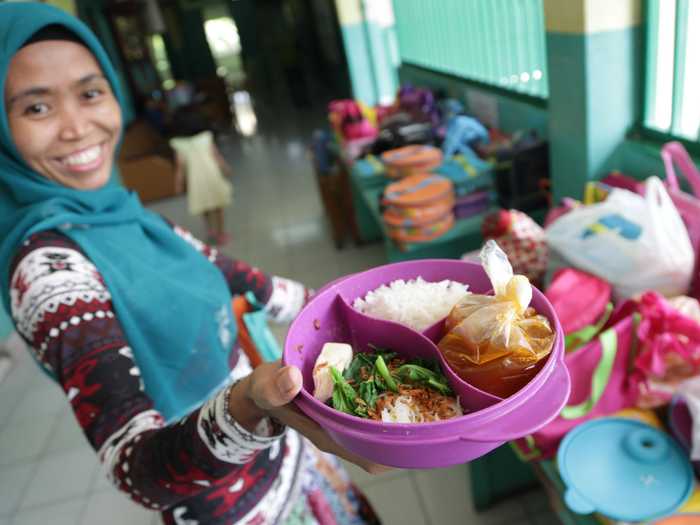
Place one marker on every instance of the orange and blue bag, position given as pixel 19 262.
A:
pixel 419 208
pixel 410 160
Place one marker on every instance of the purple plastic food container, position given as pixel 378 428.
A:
pixel 490 421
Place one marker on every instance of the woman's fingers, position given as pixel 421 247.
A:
pixel 294 418
pixel 289 383
pixel 272 386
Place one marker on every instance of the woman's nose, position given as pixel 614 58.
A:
pixel 75 123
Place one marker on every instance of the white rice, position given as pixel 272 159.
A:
pixel 415 303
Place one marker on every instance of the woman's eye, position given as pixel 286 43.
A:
pixel 36 109
pixel 91 94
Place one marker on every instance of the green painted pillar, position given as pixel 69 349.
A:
pixel 197 54
pixel 383 47
pixel 593 58
pixel 367 27
pixel 174 41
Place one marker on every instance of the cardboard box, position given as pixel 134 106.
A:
pixel 151 176
pixel 143 164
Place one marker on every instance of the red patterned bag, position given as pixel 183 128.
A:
pixel 521 238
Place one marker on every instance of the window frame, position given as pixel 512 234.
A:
pixel 535 100
pixel 641 131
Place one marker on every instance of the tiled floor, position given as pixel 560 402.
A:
pixel 48 474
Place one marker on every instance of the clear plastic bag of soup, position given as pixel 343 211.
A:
pixel 497 343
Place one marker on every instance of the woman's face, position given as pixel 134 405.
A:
pixel 63 116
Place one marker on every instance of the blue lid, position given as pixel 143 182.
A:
pixel 623 469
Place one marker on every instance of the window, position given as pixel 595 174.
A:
pixel 496 42
pixel 672 83
pixel 225 45
pixel 160 56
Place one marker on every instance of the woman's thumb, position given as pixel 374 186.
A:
pixel 289 383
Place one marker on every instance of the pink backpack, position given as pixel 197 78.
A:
pixel 599 387
pixel 580 299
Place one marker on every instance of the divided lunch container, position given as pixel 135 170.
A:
pixel 488 422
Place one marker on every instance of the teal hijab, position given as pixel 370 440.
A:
pixel 172 303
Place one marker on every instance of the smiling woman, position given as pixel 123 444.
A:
pixel 65 126
pixel 132 316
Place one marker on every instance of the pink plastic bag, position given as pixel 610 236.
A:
pixel 688 204
pixel 599 387
pixel 669 351
pixel 579 298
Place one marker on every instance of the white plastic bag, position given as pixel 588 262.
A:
pixel 635 242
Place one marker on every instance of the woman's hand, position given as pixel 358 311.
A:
pixel 268 391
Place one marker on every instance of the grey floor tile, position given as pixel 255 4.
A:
pixel 42 402
pixel 526 521
pixel 545 518
pixel 114 508
pixel 23 375
pixel 437 486
pixel 13 483
pixel 397 502
pixel 535 501
pixel 362 479
pixel 67 435
pixel 315 277
pixel 63 513
pixel 100 482
pixel 9 399
pixel 61 476
pixel 24 439
pixel 280 332
pixel 272 265
pixel 504 513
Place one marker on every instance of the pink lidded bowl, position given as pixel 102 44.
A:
pixel 488 422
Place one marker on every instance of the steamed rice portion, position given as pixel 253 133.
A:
pixel 415 303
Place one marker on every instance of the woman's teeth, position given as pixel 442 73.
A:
pixel 84 157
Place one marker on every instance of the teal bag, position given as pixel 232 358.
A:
pixel 262 337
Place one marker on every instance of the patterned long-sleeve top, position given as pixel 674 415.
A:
pixel 63 310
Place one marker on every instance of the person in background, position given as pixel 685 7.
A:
pixel 131 314
pixel 200 168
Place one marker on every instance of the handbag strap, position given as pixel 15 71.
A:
pixel 601 376
pixel 674 152
pixel 580 337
